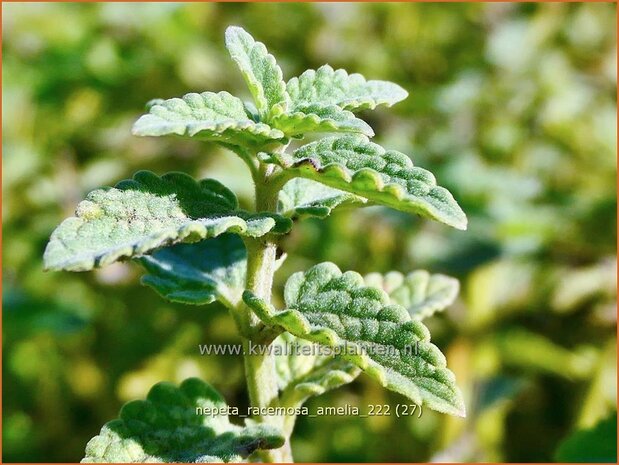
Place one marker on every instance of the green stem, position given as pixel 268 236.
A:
pixel 260 371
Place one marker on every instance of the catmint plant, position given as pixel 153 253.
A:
pixel 198 246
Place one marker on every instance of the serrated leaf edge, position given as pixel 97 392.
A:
pixel 295 322
pixel 145 127
pixel 254 226
pixel 357 182
pixel 350 104
pixel 449 282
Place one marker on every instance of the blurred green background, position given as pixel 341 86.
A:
pixel 513 106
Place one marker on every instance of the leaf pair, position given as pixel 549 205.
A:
pixel 317 101
pixel 148 212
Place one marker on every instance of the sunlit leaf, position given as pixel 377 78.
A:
pixel 217 117
pixel 420 292
pixel 349 91
pixel 169 427
pixel 354 164
pixel 337 310
pixel 260 70
pixel 148 212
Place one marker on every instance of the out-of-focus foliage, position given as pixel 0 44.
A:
pixel 597 444
pixel 511 105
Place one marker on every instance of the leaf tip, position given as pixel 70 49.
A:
pixel 458 409
pixel 455 218
pixel 462 223
pixel 231 30
pixel 401 93
pixel 233 33
pixel 138 127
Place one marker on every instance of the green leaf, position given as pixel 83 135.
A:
pixel 304 373
pixel 168 427
pixel 421 293
pixel 260 70
pixel 148 212
pixel 200 273
pixel 337 310
pixel 217 117
pixel 351 92
pixel 303 197
pixel 595 445
pixel 354 164
pixel 318 118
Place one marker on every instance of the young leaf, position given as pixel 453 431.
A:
pixel 318 118
pixel 354 164
pixel 200 273
pixel 351 92
pixel 148 212
pixel 421 293
pixel 337 310
pixel 303 197
pixel 169 426
pixel 260 70
pixel 303 372
pixel 217 117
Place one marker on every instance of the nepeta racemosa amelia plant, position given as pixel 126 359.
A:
pixel 198 246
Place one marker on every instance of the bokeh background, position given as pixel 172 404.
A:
pixel 513 106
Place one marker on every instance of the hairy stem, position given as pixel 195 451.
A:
pixel 259 361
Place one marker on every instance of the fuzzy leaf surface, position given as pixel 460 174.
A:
pixel 336 309
pixel 200 273
pixel 420 292
pixel 318 118
pixel 349 91
pixel 303 372
pixel 260 70
pixel 304 197
pixel 354 164
pixel 217 117
pixel 148 212
pixel 166 428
